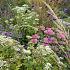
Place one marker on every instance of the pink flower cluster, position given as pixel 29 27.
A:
pixel 49 31
pixel 50 36
pixel 47 41
pixel 61 35
pixel 35 38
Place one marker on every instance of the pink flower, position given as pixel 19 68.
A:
pixel 61 35
pixel 48 40
pixel 35 36
pixel 49 31
pixel 34 41
pixel 45 44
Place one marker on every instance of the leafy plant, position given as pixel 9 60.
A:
pixel 14 57
pixel 24 22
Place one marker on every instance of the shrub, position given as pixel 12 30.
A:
pixel 14 57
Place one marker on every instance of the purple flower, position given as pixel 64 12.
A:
pixel 0 32
pixel 45 44
pixel 7 33
pixel 48 40
pixel 65 10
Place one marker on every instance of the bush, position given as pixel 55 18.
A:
pixel 14 57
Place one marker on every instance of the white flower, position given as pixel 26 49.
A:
pixel 2 63
pixel 6 21
pixel 48 66
pixel 26 51
pixel 36 19
pixel 61 58
pixel 16 48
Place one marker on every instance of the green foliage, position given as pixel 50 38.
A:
pixel 25 22
pixel 15 57
pixel 67 19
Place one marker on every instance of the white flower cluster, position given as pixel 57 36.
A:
pixel 26 51
pixel 48 66
pixel 2 63
pixel 7 41
pixel 45 50
pixel 21 9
